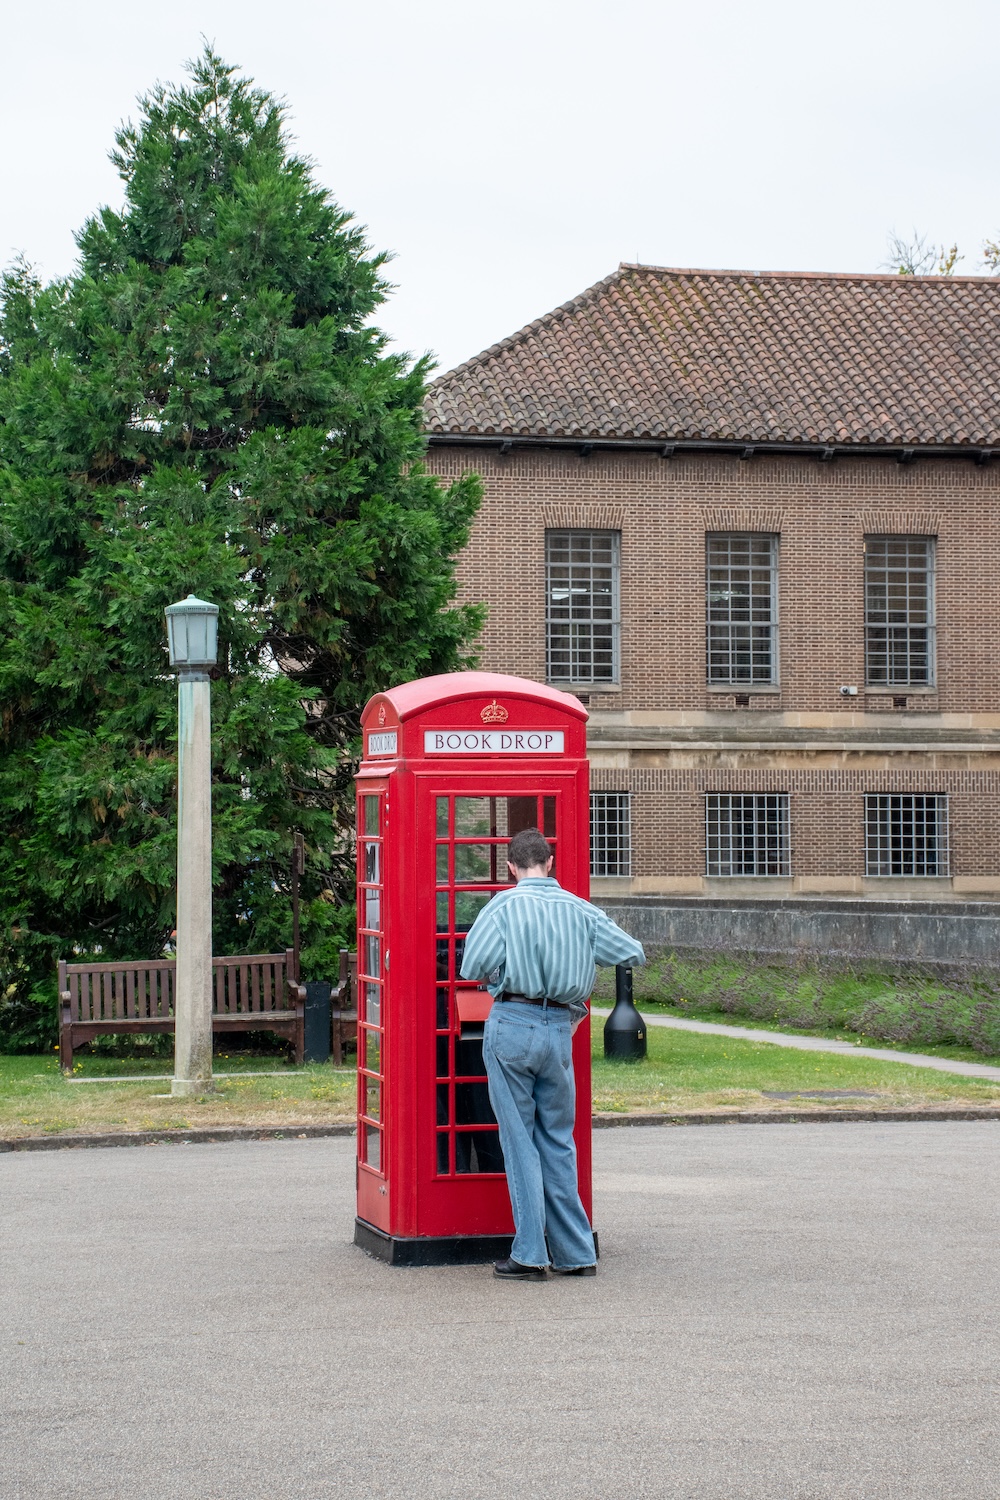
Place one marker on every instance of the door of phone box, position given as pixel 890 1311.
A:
pixel 453 766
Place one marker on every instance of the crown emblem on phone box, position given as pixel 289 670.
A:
pixel 494 713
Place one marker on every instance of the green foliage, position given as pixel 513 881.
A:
pixel 29 1021
pixel 205 406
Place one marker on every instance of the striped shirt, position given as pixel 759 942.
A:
pixel 538 940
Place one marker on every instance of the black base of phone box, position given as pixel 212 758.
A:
pixel 426 1250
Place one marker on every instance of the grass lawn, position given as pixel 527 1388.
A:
pixel 948 1012
pixel 684 1072
pixel 35 1099
pixel 691 1010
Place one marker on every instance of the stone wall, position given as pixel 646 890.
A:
pixel 927 931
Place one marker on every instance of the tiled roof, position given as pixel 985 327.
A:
pixel 743 356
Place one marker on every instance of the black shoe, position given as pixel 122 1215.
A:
pixel 512 1270
pixel 574 1270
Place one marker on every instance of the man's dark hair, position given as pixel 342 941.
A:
pixel 528 849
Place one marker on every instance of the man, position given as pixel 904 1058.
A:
pixel 537 946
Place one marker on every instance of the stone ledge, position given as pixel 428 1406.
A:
pixel 795 1117
pixel 902 905
pixel 175 1137
pixel 598 1122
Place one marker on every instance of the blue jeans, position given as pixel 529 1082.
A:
pixel 529 1065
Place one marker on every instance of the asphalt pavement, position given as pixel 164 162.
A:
pixel 782 1313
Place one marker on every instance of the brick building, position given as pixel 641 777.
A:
pixel 752 520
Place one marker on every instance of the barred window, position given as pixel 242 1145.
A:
pixel 610 833
pixel 899 610
pixel 742 607
pixel 582 618
pixel 906 834
pixel 746 833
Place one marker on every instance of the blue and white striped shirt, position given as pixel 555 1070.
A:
pixel 538 940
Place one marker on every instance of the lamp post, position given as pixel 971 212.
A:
pixel 192 629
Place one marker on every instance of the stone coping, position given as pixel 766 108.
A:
pixel 224 1133
pixel 849 904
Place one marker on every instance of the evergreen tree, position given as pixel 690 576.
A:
pixel 204 407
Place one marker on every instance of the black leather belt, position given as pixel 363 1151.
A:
pixel 528 1000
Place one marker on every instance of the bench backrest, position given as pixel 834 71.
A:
pixel 251 984
pixel 256 984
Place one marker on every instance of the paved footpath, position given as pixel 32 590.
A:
pixel 779 1315
pixel 823 1044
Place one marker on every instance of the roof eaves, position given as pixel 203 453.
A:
pixel 976 452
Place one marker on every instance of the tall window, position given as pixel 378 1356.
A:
pixel 610 833
pixel 746 833
pixel 899 610
pixel 742 607
pixel 906 834
pixel 582 613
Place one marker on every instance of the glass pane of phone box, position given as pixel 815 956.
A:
pixel 477 1151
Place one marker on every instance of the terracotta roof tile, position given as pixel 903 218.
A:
pixel 743 356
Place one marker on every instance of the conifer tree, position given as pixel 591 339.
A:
pixel 206 407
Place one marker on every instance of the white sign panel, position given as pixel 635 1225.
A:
pixel 382 744
pixel 493 742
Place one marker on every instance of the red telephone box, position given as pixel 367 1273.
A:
pixel 453 767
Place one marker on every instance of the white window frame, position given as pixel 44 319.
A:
pixel 574 634
pixel 727 639
pixel 894 849
pixel 603 830
pixel 738 840
pixel 899 634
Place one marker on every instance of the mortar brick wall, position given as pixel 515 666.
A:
pixel 947 740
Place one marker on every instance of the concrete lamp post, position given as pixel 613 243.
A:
pixel 193 630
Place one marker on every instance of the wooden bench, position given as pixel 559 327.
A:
pixel 344 1007
pixel 254 992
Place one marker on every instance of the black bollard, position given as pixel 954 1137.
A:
pixel 624 1030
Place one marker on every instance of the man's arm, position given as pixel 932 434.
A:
pixel 484 947
pixel 613 946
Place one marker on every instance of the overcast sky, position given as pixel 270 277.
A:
pixel 512 154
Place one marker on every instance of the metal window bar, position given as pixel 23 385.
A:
pixel 582 606
pixel 610 833
pixel 899 611
pixel 742 607
pixel 906 834
pixel 747 833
